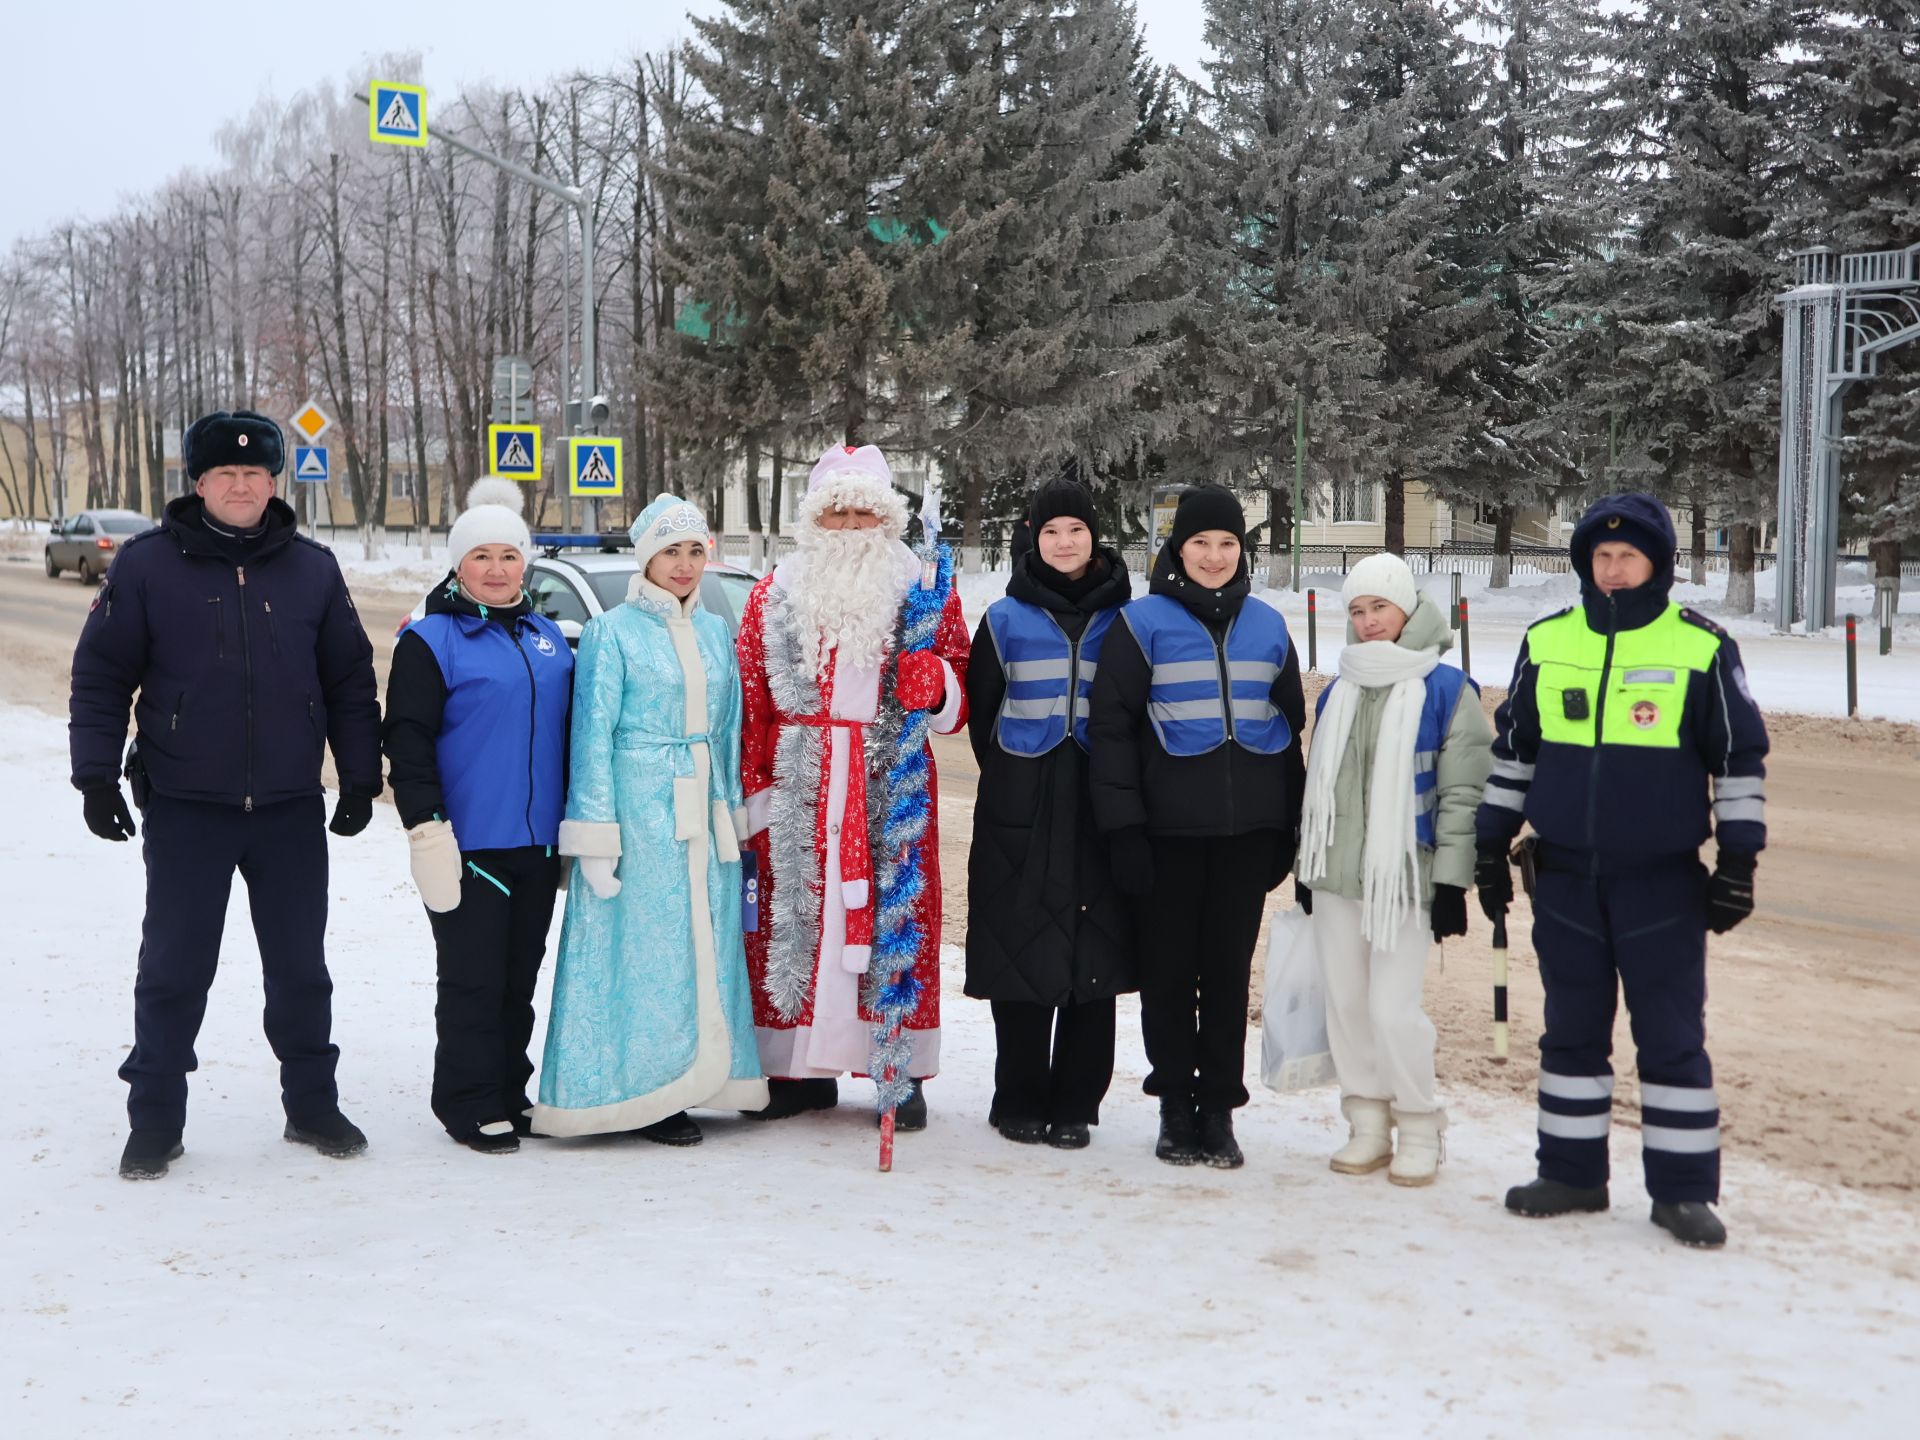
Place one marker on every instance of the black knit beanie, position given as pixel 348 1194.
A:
pixel 1207 507
pixel 1060 497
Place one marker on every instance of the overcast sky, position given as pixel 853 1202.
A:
pixel 109 99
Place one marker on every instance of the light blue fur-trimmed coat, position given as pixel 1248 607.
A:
pixel 651 1008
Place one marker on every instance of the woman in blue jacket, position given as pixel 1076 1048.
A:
pixel 476 730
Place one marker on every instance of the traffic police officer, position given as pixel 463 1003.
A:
pixel 1623 712
pixel 248 658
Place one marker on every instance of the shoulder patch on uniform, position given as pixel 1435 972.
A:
pixel 319 545
pixel 1694 617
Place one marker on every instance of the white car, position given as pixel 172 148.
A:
pixel 572 582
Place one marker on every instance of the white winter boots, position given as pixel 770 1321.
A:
pixel 1370 1142
pixel 1422 1144
pixel 1369 1139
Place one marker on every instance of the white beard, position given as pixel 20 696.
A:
pixel 845 590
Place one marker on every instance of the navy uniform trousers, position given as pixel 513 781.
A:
pixel 1642 931
pixel 192 849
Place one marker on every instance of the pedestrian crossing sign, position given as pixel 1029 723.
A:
pixel 396 114
pixel 593 465
pixel 513 452
pixel 310 465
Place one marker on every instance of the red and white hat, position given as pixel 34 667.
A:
pixel 855 475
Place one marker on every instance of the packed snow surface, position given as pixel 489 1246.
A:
pixel 771 1282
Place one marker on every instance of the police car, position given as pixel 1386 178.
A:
pixel 576 577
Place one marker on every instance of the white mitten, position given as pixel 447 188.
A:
pixel 598 870
pixel 435 857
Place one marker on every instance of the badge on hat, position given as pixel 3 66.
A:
pixel 241 441
pixel 1613 522
pixel 1646 714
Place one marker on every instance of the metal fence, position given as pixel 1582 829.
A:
pixel 1460 557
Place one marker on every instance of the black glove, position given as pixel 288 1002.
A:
pixel 107 813
pixel 1493 878
pixel 351 814
pixel 1730 891
pixel 1132 862
pixel 1302 897
pixel 1450 910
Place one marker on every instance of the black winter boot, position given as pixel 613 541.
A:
pixel 332 1134
pixel 1069 1135
pixel 677 1129
pixel 1022 1132
pixel 1179 1142
pixel 910 1113
pixel 148 1154
pixel 1542 1197
pixel 787 1098
pixel 1691 1222
pixel 1217 1145
pixel 496 1137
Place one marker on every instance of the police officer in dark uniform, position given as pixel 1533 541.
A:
pixel 1628 724
pixel 248 660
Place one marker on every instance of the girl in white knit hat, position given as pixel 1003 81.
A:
pixel 1399 755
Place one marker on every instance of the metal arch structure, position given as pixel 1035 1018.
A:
pixel 1843 314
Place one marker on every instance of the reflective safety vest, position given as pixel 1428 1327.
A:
pixel 1628 688
pixel 1205 691
pixel 1044 668
pixel 1444 684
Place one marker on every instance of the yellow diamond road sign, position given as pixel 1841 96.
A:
pixel 311 421
pixel 513 452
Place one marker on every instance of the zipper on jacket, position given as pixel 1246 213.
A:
pixel 1226 703
pixel 1599 719
pixel 246 652
pixel 273 630
pixel 219 629
pixel 533 723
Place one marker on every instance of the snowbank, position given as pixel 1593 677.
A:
pixel 771 1282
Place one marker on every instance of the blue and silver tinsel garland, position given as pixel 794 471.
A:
pixel 894 989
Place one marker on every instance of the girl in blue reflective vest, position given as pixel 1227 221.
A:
pixel 1195 735
pixel 476 730
pixel 1401 751
pixel 1049 940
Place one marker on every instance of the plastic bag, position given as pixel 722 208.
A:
pixel 1294 1054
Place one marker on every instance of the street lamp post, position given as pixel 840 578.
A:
pixel 577 198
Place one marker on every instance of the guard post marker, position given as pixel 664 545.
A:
pixel 1466 641
pixel 1500 989
pixel 1853 671
pixel 1313 633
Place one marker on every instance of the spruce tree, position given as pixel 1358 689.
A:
pixel 1689 154
pixel 1860 90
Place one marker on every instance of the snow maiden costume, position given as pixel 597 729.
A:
pixel 650 1006
pixel 834 655
pixel 1401 752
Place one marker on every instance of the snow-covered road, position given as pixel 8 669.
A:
pixel 770 1282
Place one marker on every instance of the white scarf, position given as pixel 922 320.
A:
pixel 1390 860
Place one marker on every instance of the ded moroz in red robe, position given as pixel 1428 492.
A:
pixel 818 853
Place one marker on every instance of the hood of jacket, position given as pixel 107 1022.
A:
pixel 1113 586
pixel 184 519
pixel 1425 629
pixel 1629 609
pixel 1215 607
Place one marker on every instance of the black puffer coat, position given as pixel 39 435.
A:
pixel 1045 923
